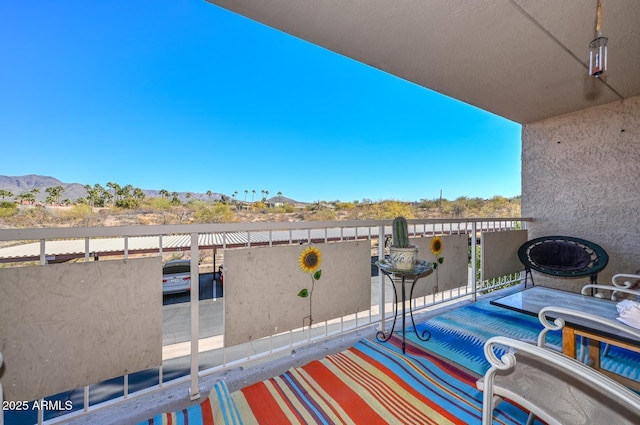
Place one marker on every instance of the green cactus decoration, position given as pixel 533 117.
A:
pixel 400 232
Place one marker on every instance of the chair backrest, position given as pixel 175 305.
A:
pixel 574 392
pixel 559 313
pixel 563 256
pixel 613 289
pixel 553 387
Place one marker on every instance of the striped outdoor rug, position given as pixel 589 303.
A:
pixel 374 383
pixel 460 334
pixel 371 383
pixel 218 408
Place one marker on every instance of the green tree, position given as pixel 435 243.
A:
pixel 139 195
pixel 29 197
pixel 115 191
pixel 54 194
pixel 5 193
pixel 35 191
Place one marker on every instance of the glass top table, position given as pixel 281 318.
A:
pixel 530 301
pixel 593 334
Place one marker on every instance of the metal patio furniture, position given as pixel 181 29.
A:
pixel 562 256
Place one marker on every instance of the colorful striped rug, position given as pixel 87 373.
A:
pixel 374 383
pixel 218 408
pixel 371 383
pixel 460 334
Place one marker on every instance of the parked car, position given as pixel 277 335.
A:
pixel 176 276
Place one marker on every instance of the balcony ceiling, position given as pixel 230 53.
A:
pixel 525 60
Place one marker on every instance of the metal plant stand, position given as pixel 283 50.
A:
pixel 420 269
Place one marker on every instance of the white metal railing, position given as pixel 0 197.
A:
pixel 86 244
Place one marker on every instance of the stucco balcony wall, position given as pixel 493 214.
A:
pixel 580 178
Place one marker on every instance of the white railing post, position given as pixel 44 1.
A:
pixel 194 391
pixel 1 397
pixel 43 253
pixel 474 283
pixel 381 298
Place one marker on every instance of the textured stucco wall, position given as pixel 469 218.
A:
pixel 581 177
pixel 64 326
pixel 261 287
pixel 500 253
pixel 452 273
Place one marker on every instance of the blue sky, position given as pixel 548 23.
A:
pixel 184 96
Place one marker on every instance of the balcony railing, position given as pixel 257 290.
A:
pixel 197 332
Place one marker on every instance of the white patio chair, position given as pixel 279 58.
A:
pixel 620 284
pixel 553 387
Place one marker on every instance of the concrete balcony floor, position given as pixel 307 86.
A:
pixel 143 407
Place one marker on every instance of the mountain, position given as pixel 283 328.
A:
pixel 23 184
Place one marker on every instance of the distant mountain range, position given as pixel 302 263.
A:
pixel 24 184
pixel 72 191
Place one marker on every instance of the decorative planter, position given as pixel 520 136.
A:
pixel 403 258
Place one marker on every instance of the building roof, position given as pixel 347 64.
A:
pixel 525 60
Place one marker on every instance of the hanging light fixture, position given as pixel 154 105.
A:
pixel 598 48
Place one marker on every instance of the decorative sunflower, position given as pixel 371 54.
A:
pixel 310 259
pixel 436 249
pixel 436 246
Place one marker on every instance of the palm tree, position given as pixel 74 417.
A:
pixel 138 194
pixel 4 193
pixel 54 194
pixel 164 193
pixel 253 193
pixel 115 187
pixel 246 192
pixel 35 192
pixel 209 194
pixel 30 197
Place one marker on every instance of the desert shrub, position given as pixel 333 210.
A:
pixel 345 205
pixel 159 203
pixel 127 203
pixel 79 211
pixel 323 214
pixel 285 208
pixel 389 209
pixel 7 209
pixel 217 213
